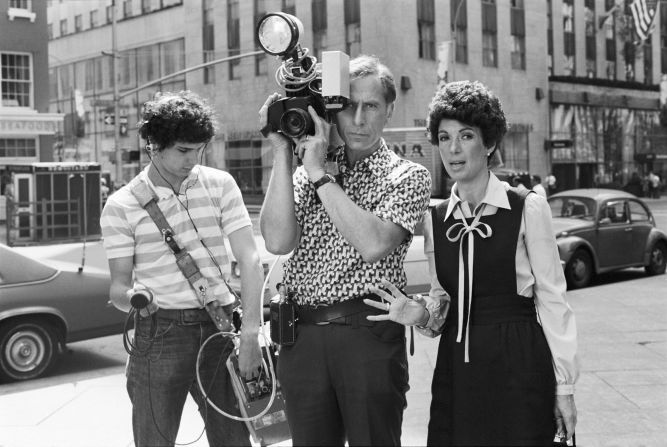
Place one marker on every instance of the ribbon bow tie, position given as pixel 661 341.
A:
pixel 456 233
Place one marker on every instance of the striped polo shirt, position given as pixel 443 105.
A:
pixel 216 209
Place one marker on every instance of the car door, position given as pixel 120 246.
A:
pixel 641 225
pixel 614 241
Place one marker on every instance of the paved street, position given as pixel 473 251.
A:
pixel 621 395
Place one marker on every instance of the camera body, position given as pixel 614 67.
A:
pixel 290 115
pixel 325 86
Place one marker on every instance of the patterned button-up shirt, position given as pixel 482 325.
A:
pixel 324 267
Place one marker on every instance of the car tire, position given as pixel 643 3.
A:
pixel 657 259
pixel 28 349
pixel 579 270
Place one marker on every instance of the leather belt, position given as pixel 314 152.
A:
pixel 351 312
pixel 190 315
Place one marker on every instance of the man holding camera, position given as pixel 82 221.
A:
pixel 163 235
pixel 348 217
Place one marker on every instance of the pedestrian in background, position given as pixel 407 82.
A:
pixel 551 183
pixel 201 205
pixel 506 364
pixel 348 222
pixel 537 186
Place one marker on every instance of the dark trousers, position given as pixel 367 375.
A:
pixel 159 383
pixel 343 382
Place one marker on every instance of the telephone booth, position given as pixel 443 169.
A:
pixel 53 201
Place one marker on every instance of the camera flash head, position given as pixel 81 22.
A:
pixel 278 33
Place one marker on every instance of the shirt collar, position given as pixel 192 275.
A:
pixel 495 195
pixel 375 161
pixel 164 192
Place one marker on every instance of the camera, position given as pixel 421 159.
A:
pixel 325 86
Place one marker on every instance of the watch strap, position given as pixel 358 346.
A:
pixel 326 178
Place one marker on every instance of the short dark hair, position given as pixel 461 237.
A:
pixel 469 102
pixel 172 117
pixel 365 65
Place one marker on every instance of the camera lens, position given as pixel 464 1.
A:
pixel 295 122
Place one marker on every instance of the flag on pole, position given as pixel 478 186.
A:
pixel 643 14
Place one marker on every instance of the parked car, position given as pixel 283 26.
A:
pixel 46 304
pixel 600 230
pixel 508 175
pixel 415 264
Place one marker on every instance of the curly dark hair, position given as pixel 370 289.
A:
pixel 172 117
pixel 469 102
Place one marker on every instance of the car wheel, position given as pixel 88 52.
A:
pixel 657 259
pixel 579 269
pixel 28 349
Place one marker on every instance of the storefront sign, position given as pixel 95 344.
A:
pixel 30 126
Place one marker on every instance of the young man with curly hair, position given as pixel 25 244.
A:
pixel 202 205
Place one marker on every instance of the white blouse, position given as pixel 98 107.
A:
pixel 539 274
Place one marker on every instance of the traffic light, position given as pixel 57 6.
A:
pixel 123 129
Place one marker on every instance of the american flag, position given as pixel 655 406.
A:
pixel 643 13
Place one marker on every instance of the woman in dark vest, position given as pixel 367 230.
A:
pixel 506 363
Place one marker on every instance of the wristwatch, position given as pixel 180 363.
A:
pixel 326 178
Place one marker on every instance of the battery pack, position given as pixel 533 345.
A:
pixel 253 396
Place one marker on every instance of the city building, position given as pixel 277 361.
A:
pixel 27 129
pixel 581 94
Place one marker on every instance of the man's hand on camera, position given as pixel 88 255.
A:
pixel 312 149
pixel 278 140
pixel 250 355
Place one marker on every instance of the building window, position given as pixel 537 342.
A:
pixel 459 26
pixel 21 8
pixel 663 39
pixel 489 34
pixel 629 50
pixel 518 29
pixel 261 65
pixel 109 13
pixel 568 38
pixel 145 6
pixel 233 37
pixel 127 8
pixel 589 19
pixel 18 147
pixel 20 4
pixel 244 163
pixel 550 40
pixel 93 18
pixel 89 84
pixel 426 28
pixel 208 40
pixel 78 23
pixel 63 27
pixel 16 79
pixel 288 7
pixel 320 24
pixel 352 27
pixel 629 53
pixel 648 61
pixel 610 42
pixel 50 31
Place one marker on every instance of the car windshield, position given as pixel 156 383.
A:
pixel 572 207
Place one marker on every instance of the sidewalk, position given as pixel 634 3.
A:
pixel 621 395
